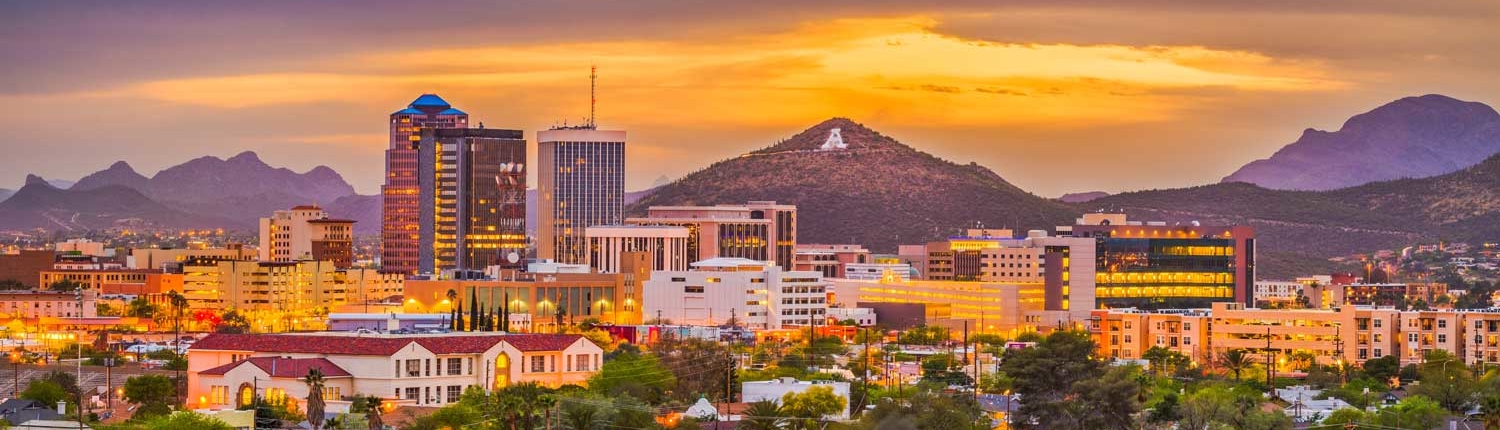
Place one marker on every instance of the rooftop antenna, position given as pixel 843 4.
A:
pixel 593 75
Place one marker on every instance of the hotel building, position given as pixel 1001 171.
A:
pixel 758 230
pixel 306 233
pixel 580 183
pixel 228 371
pixel 401 205
pixel 472 187
pixel 756 294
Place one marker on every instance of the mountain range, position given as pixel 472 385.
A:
pixel 879 192
pixel 1414 137
pixel 206 191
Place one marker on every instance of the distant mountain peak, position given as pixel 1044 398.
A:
pixel 246 157
pixel 121 166
pixel 37 180
pixel 855 136
pixel 877 191
pixel 1413 137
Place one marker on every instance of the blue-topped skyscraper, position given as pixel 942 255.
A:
pixel 400 233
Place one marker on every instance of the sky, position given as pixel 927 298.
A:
pixel 1054 95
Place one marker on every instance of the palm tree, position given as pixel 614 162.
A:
pixel 372 414
pixel 763 415
pixel 1236 361
pixel 1490 407
pixel 580 416
pixel 315 404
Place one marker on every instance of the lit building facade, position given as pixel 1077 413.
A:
pixel 994 256
pixel 580 183
pixel 1157 265
pixel 306 233
pixel 757 230
pixel 283 296
pixel 755 294
pixel 472 182
pixel 96 279
pixel 831 260
pixel 38 304
pixel 540 296
pixel 400 202
pixel 990 307
pixel 666 246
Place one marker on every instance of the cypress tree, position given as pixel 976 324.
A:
pixel 473 309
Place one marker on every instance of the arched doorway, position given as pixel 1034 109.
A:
pixel 246 396
pixel 502 371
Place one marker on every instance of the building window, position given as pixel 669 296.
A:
pixel 413 367
pixel 1442 338
pixel 455 366
pixel 454 391
pixel 1378 354
pixel 538 364
pixel 1442 323
pixel 1377 323
pixel 692 289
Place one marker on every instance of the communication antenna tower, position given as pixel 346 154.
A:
pixel 593 75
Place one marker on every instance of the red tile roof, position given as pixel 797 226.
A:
pixel 284 367
pixel 351 345
pixel 542 342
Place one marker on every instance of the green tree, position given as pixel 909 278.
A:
pixel 105 310
pixel 810 406
pixel 46 392
pixel 315 405
pixel 1489 408
pixel 68 382
pixel 65 285
pixel 1062 386
pixel 1414 412
pixel 232 322
pixel 630 413
pixel 578 415
pixel 140 308
pixel 185 421
pixel 1235 361
pixel 1383 368
pixel 924 335
pixel 153 395
pixel 640 376
pixel 1344 416
pixel 1164 361
pixel 1446 380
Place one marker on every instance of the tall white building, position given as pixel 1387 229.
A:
pixel 756 294
pixel 667 246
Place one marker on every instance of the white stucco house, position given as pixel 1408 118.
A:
pixel 228 370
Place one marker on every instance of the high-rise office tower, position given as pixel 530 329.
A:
pixel 472 189
pixel 581 183
pixel 400 224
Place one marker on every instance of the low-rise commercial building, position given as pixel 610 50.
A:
pixel 36 304
pixel 227 371
pixel 831 260
pixel 666 246
pixel 306 233
pixel 755 294
pixel 541 295
pixel 757 230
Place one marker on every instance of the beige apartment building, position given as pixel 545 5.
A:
pixel 1352 334
pixel 283 295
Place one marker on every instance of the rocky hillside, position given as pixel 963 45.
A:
pixel 1315 225
pixel 877 192
pixel 1414 137
pixel 41 205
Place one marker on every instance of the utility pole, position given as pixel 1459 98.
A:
pixel 1270 364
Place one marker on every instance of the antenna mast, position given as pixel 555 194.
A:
pixel 593 75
